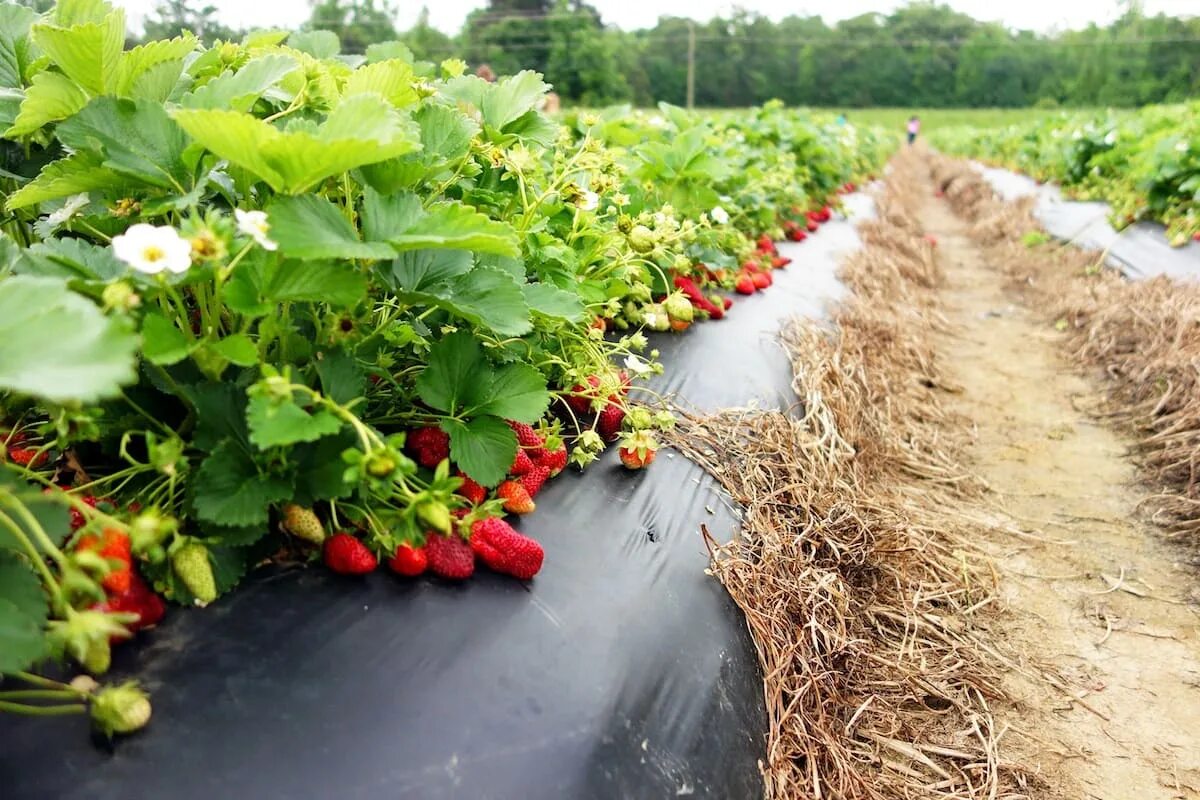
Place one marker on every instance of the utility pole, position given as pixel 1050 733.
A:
pixel 691 69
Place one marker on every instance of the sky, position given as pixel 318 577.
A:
pixel 448 15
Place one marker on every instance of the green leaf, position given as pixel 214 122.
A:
pixel 162 341
pixel 311 227
pixel 237 349
pixel 447 224
pixel 318 44
pixel 339 285
pixel 14 43
pixel 517 391
pixel 278 424
pixel 220 414
pixel 341 377
pixel 51 97
pixel 135 63
pixel 320 469
pixel 72 259
pixel 360 131
pixel 89 53
pixel 382 51
pixel 446 133
pixel 483 448
pixel 240 90
pixel 80 172
pixel 230 488
pixel 502 102
pixel 135 138
pixel 22 641
pixel 58 346
pixel 418 270
pixel 392 79
pixel 456 376
pixel 550 301
pixel 21 586
pixel 385 216
pixel 486 296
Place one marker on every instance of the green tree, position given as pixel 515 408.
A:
pixel 170 18
pixel 357 23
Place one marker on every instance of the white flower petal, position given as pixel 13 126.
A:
pixel 150 249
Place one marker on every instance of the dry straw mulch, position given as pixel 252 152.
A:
pixel 852 567
pixel 1142 337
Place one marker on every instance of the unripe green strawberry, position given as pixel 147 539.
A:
pixel 98 657
pixel 655 317
pixel 120 709
pixel 302 523
pixel 434 514
pixel 679 308
pixel 641 239
pixel 192 566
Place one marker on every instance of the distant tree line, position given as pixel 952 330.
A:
pixel 923 55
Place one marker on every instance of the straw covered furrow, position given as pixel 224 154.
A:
pixel 853 567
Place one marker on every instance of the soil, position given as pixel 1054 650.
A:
pixel 1103 615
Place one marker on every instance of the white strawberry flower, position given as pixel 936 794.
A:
pixel 152 249
pixel 590 201
pixel 637 366
pixel 255 225
pixel 69 209
pixel 720 216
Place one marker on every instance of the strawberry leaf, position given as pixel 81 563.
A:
pixel 58 346
pixel 231 489
pixel 277 424
pixel 14 43
pixel 240 90
pixel 483 448
pixel 22 642
pixel 518 392
pixel 311 227
pixel 457 374
pixel 551 301
pixel 162 341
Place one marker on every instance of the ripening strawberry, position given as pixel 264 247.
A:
pixel 534 479
pixel 114 546
pixel 346 555
pixel 761 280
pixel 429 446
pixel 449 557
pixel 608 425
pixel 409 561
pixel 138 599
pixel 635 459
pixel 779 262
pixel 812 226
pixel 516 498
pixel 744 285
pixel 303 523
pixel 580 398
pixel 554 460
pixel 471 490
pixel 504 550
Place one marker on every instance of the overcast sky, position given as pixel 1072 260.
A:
pixel 1041 15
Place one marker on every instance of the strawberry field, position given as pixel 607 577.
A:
pixel 1144 163
pixel 264 304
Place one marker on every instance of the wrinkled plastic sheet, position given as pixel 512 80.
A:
pixel 621 671
pixel 1139 251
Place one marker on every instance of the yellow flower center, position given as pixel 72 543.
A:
pixel 153 254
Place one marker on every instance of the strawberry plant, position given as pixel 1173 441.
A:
pixel 262 300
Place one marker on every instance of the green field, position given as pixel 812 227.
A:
pixel 934 118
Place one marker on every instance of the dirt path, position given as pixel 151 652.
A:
pixel 1095 597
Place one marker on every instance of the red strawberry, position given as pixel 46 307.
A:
pixel 812 226
pixel 533 480
pixel 449 557
pixel 346 555
pixel 527 437
pixel 522 463
pixel 516 498
pixel 727 302
pixel 765 244
pixel 751 266
pixel 744 285
pixel 632 460
pixel 138 599
pixel 409 561
pixel 797 235
pixel 429 446
pixel 506 551
pixel 1196 236
pixel 779 262
pixel 112 545
pixel 553 460
pixel 580 399
pixel 471 490
pixel 26 457
pixel 77 519
pixel 609 423
pixel 761 280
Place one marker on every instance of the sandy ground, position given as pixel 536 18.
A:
pixel 1102 619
